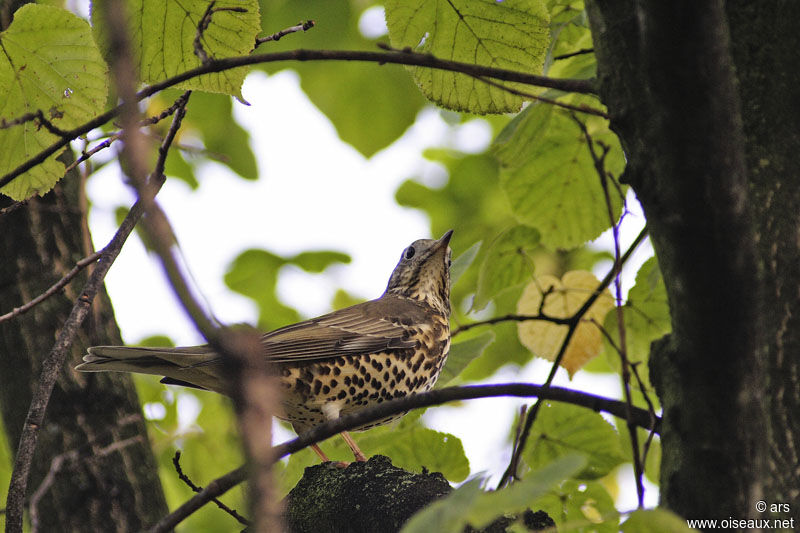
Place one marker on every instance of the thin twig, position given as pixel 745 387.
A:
pixel 599 165
pixel 584 86
pixel 37 116
pixel 582 51
pixel 301 26
pixel 52 365
pixel 395 406
pixel 13 207
pixel 571 328
pixel 512 317
pixel 55 288
pixel 176 462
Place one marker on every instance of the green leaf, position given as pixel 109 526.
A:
pixel 563 429
pixel 163 33
pixel 580 507
pixel 507 263
pixel 511 35
pixel 447 515
pixel 513 144
pixel 518 497
pixel 654 521
pixel 463 262
pixel 646 316
pixel 415 447
pixel 387 99
pixel 557 189
pixel 225 140
pixel 51 64
pixel 317 262
pixel 461 354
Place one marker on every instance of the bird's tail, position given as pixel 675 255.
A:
pixel 196 366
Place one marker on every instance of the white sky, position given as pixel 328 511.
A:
pixel 347 205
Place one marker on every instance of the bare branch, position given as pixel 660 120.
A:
pixel 176 462
pixel 54 289
pixel 399 405
pixel 53 363
pixel 202 26
pixel 301 26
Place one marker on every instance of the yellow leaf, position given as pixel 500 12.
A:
pixel 563 298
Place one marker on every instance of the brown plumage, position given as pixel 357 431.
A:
pixel 336 363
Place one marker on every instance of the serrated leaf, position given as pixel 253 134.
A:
pixel 563 299
pixel 654 521
pixel 448 514
pixel 507 263
pixel 518 497
pixel 51 64
pixel 163 33
pixel 513 144
pixel 463 262
pixel 557 189
pixel 461 354
pixel 563 429
pixel 512 35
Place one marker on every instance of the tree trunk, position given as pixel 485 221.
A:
pixel 704 98
pixel 94 446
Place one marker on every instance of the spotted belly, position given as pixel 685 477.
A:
pixel 316 392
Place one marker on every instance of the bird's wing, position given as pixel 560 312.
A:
pixel 365 328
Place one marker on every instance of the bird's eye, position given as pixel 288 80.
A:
pixel 410 252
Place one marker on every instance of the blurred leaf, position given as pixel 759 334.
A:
pixel 162 39
pixel 461 354
pixel 580 507
pixel 447 515
pixel 51 64
pixel 387 100
pixel 507 263
pixel 211 115
pixel 654 521
pixel 483 32
pixel 563 298
pixel 563 429
pixel 557 189
pixel 518 497
pixel 316 262
pixel 646 316
pixel 342 299
pixel 463 262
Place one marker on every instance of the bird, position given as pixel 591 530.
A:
pixel 337 363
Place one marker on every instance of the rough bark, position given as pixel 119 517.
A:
pixel 375 496
pixel 103 476
pixel 712 149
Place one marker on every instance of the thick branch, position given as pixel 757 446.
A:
pixel 399 405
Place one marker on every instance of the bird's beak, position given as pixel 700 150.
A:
pixel 445 240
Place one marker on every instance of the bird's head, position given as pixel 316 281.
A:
pixel 423 273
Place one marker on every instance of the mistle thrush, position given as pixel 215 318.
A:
pixel 336 363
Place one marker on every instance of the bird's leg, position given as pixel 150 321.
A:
pixel 359 455
pixel 319 452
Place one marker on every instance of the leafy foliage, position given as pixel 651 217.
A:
pixel 483 32
pixel 563 429
pixel 561 299
pixel 49 64
pixel 163 35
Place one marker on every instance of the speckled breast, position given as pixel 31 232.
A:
pixel 315 392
